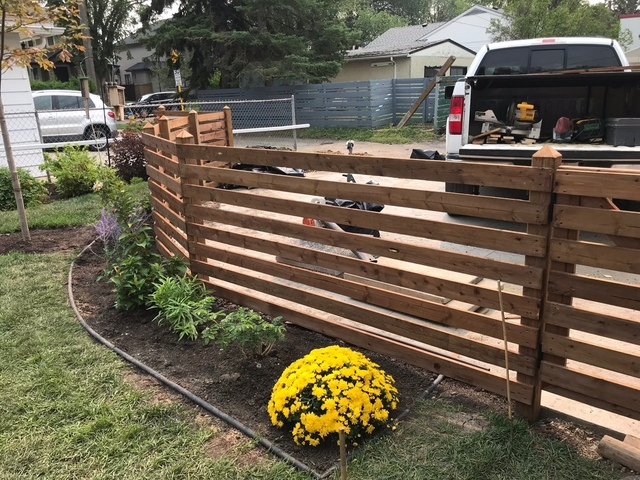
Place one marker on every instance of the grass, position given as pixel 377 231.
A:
pixel 67 412
pixel 76 211
pixel 390 135
pixel 429 446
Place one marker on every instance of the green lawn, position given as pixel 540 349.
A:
pixel 67 412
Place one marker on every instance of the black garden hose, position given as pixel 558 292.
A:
pixel 199 401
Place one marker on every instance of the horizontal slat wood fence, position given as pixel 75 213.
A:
pixel 431 297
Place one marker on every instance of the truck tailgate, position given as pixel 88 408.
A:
pixel 585 153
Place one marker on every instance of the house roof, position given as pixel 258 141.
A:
pixel 407 40
pixel 140 66
pixel 362 53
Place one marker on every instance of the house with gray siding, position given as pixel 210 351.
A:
pixel 418 51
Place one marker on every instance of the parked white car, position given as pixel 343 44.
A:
pixel 62 117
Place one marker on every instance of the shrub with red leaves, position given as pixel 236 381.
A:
pixel 128 157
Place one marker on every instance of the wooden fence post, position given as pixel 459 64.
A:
pixel 194 126
pixel 228 125
pixel 185 138
pixel 549 158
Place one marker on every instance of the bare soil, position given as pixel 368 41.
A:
pixel 231 382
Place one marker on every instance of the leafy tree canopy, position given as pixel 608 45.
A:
pixel 546 18
pixel 255 42
pixel 623 6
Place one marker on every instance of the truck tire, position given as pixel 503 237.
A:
pixel 461 188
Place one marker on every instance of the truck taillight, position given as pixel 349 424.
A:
pixel 111 114
pixel 455 115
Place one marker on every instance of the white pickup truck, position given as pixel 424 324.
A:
pixel 520 94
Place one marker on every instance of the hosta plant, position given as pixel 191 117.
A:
pixel 332 388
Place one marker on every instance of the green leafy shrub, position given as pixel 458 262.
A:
pixel 33 190
pixel 184 305
pixel 329 389
pixel 76 173
pixel 128 157
pixel 72 84
pixel 140 267
pixel 248 330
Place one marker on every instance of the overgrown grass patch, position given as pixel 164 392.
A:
pixel 66 410
pixel 390 134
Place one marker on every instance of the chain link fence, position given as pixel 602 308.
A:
pixel 24 132
pixel 256 123
pixel 30 140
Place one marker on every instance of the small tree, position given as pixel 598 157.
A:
pixel 22 17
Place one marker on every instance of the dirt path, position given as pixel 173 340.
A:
pixel 368 148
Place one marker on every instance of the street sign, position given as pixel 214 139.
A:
pixel 177 77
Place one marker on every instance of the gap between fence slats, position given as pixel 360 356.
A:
pixel 489 207
pixel 300 315
pixel 416 307
pixel 447 260
pixel 495 239
pixel 505 176
pixel 595 323
pixel 469 293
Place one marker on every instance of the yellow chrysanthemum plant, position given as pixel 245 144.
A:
pixel 332 388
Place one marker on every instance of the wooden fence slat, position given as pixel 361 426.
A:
pixel 597 289
pixel 419 308
pixel 167 181
pixel 596 255
pixel 468 293
pixel 505 176
pixel 447 260
pixel 169 214
pixel 495 239
pixel 170 231
pixel 592 354
pixel 171 199
pixel 610 222
pixel 337 329
pixel 157 160
pixel 411 328
pixel 420 198
pixel 598 183
pixel 159 143
pixel 595 390
pixel 596 323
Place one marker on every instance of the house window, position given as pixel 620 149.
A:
pixel 127 79
pixel 458 71
pixel 51 41
pixel 430 72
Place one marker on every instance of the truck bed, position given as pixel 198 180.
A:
pixel 554 95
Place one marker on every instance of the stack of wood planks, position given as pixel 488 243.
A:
pixel 625 452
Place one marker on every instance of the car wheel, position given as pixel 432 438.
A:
pixel 101 134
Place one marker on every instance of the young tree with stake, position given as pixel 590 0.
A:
pixel 22 18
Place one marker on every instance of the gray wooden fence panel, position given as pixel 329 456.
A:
pixel 366 104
